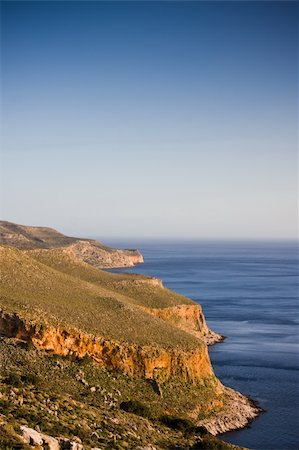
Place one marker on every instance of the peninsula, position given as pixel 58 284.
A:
pixel 93 359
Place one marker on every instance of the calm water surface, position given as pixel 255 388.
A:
pixel 249 293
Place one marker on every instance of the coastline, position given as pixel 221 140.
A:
pixel 240 287
pixel 238 413
pixel 213 338
pixel 220 410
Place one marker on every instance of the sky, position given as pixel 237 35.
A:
pixel 151 119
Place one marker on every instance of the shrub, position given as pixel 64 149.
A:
pixel 13 379
pixel 136 407
pixel 202 431
pixel 84 361
pixel 16 380
pixel 29 378
pixel 178 423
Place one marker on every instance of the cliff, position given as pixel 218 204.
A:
pixel 189 318
pixel 97 256
pixel 134 360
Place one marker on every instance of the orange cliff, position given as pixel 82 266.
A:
pixel 189 318
pixel 133 360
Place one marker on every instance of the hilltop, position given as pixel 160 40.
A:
pixel 88 354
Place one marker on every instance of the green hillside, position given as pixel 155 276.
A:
pixel 44 288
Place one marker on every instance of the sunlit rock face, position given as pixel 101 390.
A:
pixel 132 360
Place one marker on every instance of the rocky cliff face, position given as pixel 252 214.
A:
pixel 228 409
pixel 189 318
pixel 102 257
pixel 133 360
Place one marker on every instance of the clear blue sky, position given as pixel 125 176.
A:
pixel 173 119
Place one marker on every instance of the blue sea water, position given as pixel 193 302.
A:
pixel 249 293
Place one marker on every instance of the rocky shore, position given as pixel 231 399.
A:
pixel 240 410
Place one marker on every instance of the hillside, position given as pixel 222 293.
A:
pixel 88 250
pixel 105 351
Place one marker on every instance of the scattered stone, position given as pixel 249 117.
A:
pixel 38 439
pixel 93 389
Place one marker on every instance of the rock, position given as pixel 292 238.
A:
pixel 66 444
pixel 52 443
pixel 34 437
pixel 30 436
pixel 240 410
pixel 93 389
pixel 76 446
pixel 156 387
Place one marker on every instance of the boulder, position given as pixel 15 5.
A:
pixel 30 436
pixel 52 443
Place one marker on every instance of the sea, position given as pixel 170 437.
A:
pixel 249 293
